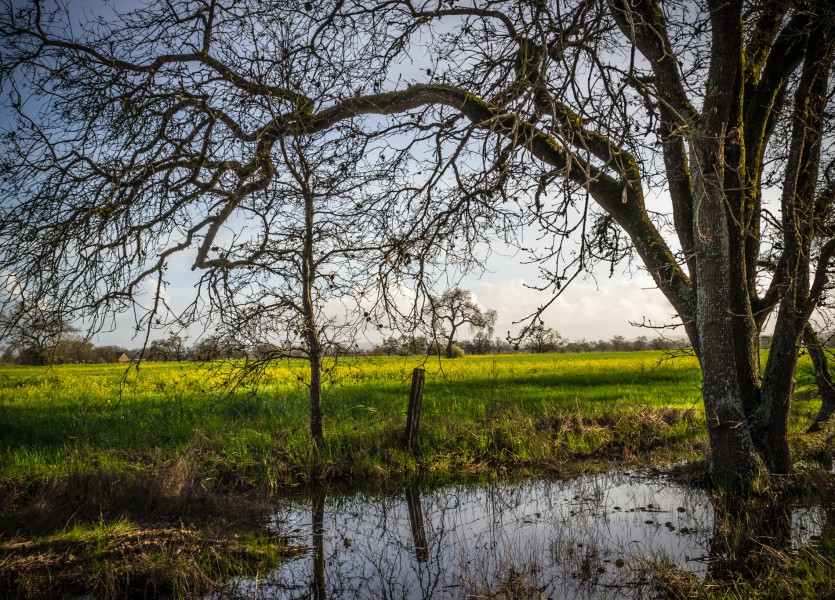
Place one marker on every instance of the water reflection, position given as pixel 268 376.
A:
pixel 748 534
pixel 565 536
pixel 317 518
pixel 578 539
pixel 416 523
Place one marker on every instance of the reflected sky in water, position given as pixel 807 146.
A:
pixel 583 538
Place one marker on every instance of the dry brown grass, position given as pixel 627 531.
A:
pixel 124 559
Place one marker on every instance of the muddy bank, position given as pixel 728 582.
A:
pixel 598 535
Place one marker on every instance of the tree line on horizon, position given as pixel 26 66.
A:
pixel 75 350
pixel 689 140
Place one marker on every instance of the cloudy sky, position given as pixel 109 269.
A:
pixel 595 308
pixel 587 309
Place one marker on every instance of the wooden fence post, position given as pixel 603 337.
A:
pixel 416 523
pixel 413 412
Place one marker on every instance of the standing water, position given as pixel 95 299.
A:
pixel 584 538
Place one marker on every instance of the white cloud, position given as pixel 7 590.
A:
pixel 584 310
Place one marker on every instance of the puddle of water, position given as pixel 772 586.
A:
pixel 561 539
pixel 567 538
pixel 806 525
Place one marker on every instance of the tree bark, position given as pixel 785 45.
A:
pixel 734 458
pixel 823 379
pixel 770 421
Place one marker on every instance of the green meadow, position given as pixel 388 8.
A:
pixel 528 413
pixel 157 480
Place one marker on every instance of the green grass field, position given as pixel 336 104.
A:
pixel 112 477
pixel 480 413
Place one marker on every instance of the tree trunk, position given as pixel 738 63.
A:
pixel 734 459
pixel 449 343
pixel 771 420
pixel 316 403
pixel 823 379
pixel 311 331
pixel 733 454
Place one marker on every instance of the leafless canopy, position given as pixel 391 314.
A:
pixel 610 128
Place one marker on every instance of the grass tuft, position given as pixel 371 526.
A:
pixel 94 462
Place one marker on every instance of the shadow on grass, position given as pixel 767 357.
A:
pixel 115 536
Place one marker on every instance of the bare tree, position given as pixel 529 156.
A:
pixel 212 348
pixel 300 242
pixel 539 338
pixel 34 332
pixel 616 129
pixel 482 343
pixel 171 348
pixel 306 281
pixel 454 309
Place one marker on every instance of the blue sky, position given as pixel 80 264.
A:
pixel 597 307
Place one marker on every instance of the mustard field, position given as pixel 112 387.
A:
pixel 526 413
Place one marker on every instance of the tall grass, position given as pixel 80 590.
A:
pixel 479 413
pixel 96 462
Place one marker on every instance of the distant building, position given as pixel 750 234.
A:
pixel 122 357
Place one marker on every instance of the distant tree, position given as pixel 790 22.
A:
pixel 391 346
pixel 602 346
pixel 454 309
pixel 640 343
pixel 403 345
pixel 662 343
pixel 435 348
pixel 539 338
pixel 207 349
pixel 618 343
pixel 214 348
pixel 482 343
pixel 6 353
pixel 73 349
pixel 171 348
pixel 502 346
pixel 581 345
pixel 417 344
pixel 33 333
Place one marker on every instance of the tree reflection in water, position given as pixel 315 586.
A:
pixel 750 534
pixel 318 529
pixel 577 539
